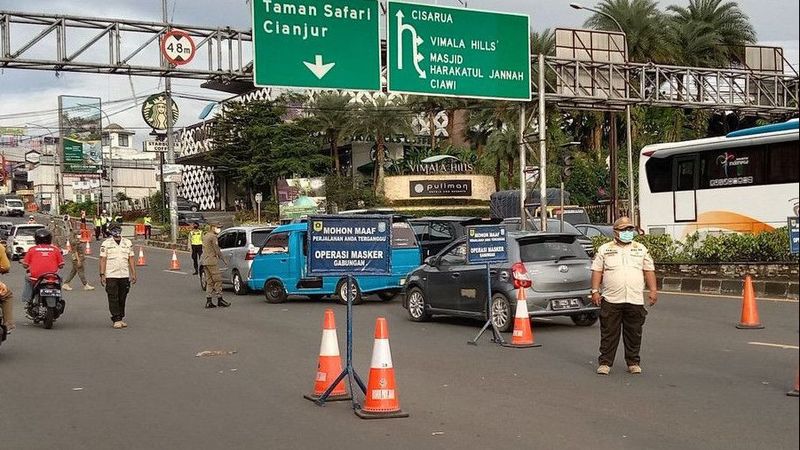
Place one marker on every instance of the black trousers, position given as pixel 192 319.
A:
pixel 117 290
pixel 148 231
pixel 620 318
pixel 97 232
pixel 197 252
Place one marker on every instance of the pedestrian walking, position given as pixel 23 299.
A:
pixel 31 219
pixel 104 219
pixel 117 273
pixel 78 258
pixel 98 227
pixel 622 267
pixel 6 296
pixel 148 226
pixel 209 261
pixel 196 245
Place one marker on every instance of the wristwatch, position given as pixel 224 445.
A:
pixel 594 291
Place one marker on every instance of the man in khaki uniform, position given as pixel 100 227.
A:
pixel 117 273
pixel 622 266
pixel 210 260
pixel 77 251
pixel 6 296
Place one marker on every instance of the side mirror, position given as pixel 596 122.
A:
pixel 431 261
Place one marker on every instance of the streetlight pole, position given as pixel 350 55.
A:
pixel 628 137
pixel 173 199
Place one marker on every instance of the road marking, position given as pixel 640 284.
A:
pixel 783 346
pixel 176 271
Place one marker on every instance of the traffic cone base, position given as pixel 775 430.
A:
pixel 329 364
pixel 380 401
pixel 749 320
pixel 796 391
pixel 522 337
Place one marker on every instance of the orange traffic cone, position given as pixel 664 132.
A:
pixel 88 250
pixel 141 261
pixel 329 365
pixel 749 318
pixel 69 247
pixel 796 391
pixel 523 335
pixel 380 401
pixel 174 264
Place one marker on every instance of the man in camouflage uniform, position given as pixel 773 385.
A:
pixel 212 255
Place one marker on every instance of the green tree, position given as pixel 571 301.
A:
pixel 708 32
pixel 381 119
pixel 543 43
pixel 642 23
pixel 332 114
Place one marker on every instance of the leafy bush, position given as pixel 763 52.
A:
pixel 74 209
pixel 347 193
pixel 770 246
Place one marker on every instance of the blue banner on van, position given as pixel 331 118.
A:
pixel 486 244
pixel 349 245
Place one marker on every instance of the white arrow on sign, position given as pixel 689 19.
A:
pixel 319 69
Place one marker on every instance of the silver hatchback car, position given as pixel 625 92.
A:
pixel 239 245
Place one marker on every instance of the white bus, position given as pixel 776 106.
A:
pixel 745 182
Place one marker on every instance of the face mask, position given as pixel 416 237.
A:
pixel 627 236
pixel 216 230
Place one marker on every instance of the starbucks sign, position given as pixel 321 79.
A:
pixel 154 111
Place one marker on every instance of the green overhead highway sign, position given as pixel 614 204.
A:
pixel 453 52
pixel 330 44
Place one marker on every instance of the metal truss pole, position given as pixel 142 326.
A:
pixel 171 187
pixel 523 216
pixel 542 149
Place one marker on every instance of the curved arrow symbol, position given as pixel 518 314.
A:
pixel 317 68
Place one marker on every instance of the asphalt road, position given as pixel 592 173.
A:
pixel 85 385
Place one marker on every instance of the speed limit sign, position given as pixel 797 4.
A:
pixel 178 47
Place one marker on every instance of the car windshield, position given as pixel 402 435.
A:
pixel 259 237
pixel 14 203
pixel 551 248
pixel 27 231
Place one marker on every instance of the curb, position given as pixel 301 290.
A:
pixel 720 286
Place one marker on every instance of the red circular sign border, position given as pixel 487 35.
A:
pixel 179 33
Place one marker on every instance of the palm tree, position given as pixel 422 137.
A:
pixel 643 24
pixel 333 116
pixel 543 43
pixel 715 31
pixel 381 119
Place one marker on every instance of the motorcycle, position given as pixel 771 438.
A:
pixel 46 305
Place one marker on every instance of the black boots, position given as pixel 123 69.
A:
pixel 222 303
pixel 209 303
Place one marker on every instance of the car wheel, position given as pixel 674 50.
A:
pixel 239 286
pixel 584 320
pixel 203 284
pixel 502 313
pixel 341 293
pixel 274 292
pixel 387 295
pixel 417 306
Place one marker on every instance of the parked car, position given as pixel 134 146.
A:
pixel 239 245
pixel 280 267
pixel 436 233
pixel 556 263
pixel 186 218
pixel 20 240
pixel 187 205
pixel 5 230
pixel 553 226
pixel 592 230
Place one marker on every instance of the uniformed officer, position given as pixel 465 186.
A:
pixel 117 273
pixel 623 266
pixel 210 260
pixel 77 251
pixel 98 227
pixel 148 226
pixel 196 244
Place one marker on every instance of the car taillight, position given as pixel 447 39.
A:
pixel 520 275
pixel 251 255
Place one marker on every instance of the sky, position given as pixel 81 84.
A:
pixel 775 22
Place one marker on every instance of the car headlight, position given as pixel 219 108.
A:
pixel 402 281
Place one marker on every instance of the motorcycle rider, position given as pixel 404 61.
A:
pixel 42 258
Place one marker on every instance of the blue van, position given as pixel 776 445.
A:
pixel 280 267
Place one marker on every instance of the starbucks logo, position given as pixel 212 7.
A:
pixel 154 111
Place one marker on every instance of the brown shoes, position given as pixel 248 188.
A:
pixel 603 369
pixel 635 369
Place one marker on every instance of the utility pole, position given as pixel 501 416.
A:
pixel 613 154
pixel 173 199
pixel 542 150
pixel 523 216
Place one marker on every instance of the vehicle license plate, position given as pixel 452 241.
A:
pixel 565 303
pixel 49 292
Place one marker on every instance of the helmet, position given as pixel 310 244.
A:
pixel 43 236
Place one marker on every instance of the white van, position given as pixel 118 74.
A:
pixel 13 207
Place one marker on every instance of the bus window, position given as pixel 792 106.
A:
pixel 736 167
pixel 659 174
pixel 685 174
pixel 784 163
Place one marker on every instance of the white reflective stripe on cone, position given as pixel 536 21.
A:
pixel 522 309
pixel 330 344
pixel 381 355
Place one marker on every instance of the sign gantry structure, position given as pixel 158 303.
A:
pixel 225 55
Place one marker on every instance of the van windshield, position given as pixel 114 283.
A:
pixel 551 248
pixel 14 203
pixel 27 231
pixel 403 235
